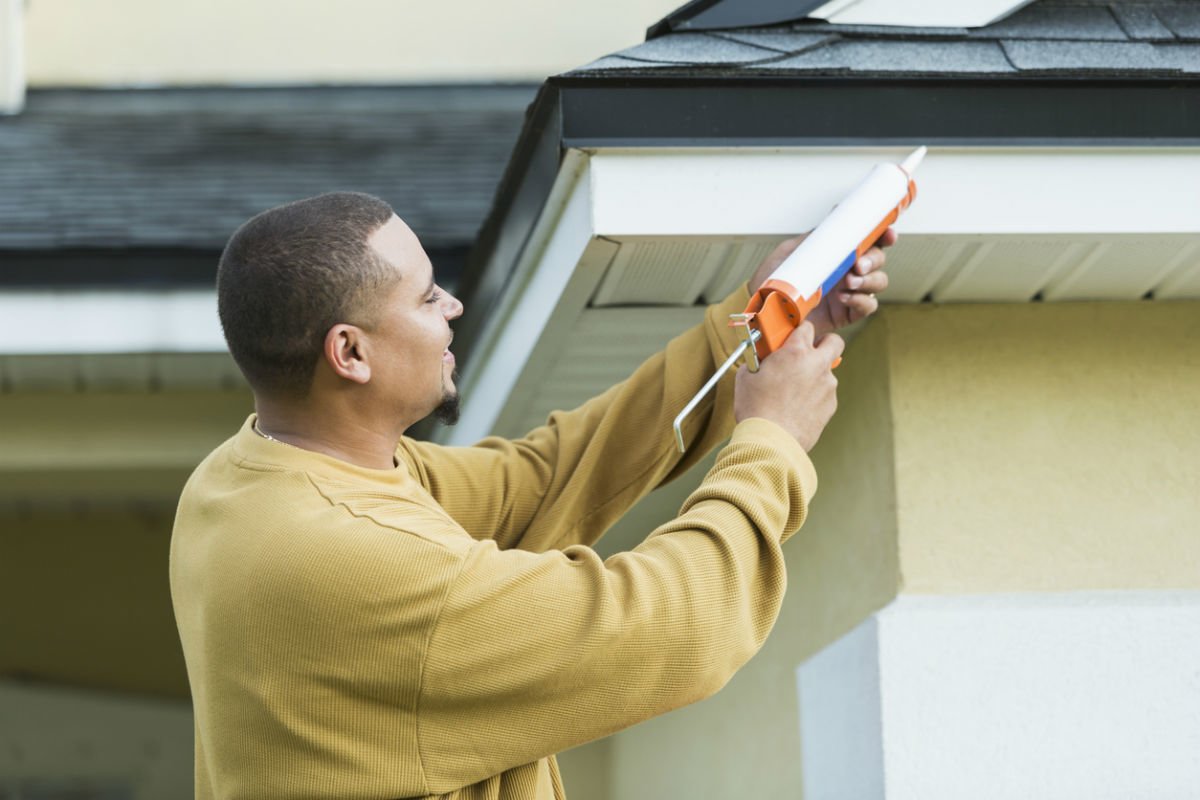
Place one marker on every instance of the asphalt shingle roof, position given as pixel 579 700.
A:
pixel 184 168
pixel 1110 37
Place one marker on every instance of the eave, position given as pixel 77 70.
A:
pixel 610 162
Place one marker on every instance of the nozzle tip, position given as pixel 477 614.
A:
pixel 913 161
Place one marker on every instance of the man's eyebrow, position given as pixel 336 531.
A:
pixel 432 283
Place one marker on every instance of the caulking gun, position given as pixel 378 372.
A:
pixel 815 267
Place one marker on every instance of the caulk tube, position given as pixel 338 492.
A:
pixel 825 256
pixel 814 268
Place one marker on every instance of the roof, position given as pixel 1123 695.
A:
pixel 1047 38
pixel 182 168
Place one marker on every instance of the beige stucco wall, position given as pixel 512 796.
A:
pixel 1047 447
pixel 282 41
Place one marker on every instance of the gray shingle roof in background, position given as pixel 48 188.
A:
pixel 1052 37
pixel 1140 22
pixel 183 168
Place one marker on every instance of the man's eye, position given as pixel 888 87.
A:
pixel 433 298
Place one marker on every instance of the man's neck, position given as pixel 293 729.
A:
pixel 349 439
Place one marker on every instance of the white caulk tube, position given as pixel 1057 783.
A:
pixel 814 268
pixel 850 229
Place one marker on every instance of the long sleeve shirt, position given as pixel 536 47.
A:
pixel 443 628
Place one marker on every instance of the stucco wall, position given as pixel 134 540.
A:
pixel 1047 447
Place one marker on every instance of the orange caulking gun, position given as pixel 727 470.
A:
pixel 815 267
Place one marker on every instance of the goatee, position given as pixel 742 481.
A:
pixel 447 411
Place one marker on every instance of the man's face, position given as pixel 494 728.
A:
pixel 412 362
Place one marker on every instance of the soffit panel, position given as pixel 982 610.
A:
pixel 944 268
pixel 603 347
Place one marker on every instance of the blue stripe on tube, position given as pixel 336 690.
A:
pixel 837 274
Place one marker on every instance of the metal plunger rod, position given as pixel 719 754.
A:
pixel 706 388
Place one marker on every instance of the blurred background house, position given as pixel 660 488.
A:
pixel 996 594
pixel 140 135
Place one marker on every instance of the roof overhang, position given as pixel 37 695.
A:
pixel 633 241
pixel 598 113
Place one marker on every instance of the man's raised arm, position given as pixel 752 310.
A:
pixel 568 481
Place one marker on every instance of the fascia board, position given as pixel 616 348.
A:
pixel 95 322
pixel 770 110
pixel 528 304
pixel 776 192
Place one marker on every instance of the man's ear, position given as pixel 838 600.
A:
pixel 346 352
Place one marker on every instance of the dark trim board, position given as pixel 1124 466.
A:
pixel 518 203
pixel 87 267
pixel 644 112
pixel 153 268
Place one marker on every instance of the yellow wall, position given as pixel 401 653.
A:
pixel 88 486
pixel 1047 447
pixel 354 41
pixel 587 771
pixel 86 600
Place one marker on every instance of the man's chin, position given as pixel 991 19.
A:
pixel 447 410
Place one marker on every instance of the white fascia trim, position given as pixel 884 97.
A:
pixel 94 321
pixel 961 190
pixel 545 267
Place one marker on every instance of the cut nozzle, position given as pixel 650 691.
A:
pixel 910 164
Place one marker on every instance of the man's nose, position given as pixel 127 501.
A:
pixel 453 309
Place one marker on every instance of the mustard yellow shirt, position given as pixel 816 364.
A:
pixel 443 628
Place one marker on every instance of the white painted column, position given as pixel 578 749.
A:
pixel 1019 696
pixel 12 56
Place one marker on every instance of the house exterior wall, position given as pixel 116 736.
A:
pixel 1038 450
pixel 1047 447
pixel 143 42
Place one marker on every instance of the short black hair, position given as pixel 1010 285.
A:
pixel 290 274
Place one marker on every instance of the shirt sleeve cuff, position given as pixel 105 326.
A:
pixel 764 432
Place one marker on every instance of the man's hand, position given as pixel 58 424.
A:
pixel 854 296
pixel 794 388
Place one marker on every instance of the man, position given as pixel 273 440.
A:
pixel 367 616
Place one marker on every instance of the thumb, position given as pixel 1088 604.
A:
pixel 831 347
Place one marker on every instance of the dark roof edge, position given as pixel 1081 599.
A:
pixel 516 206
pixel 137 268
pixel 793 110
pixel 594 112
